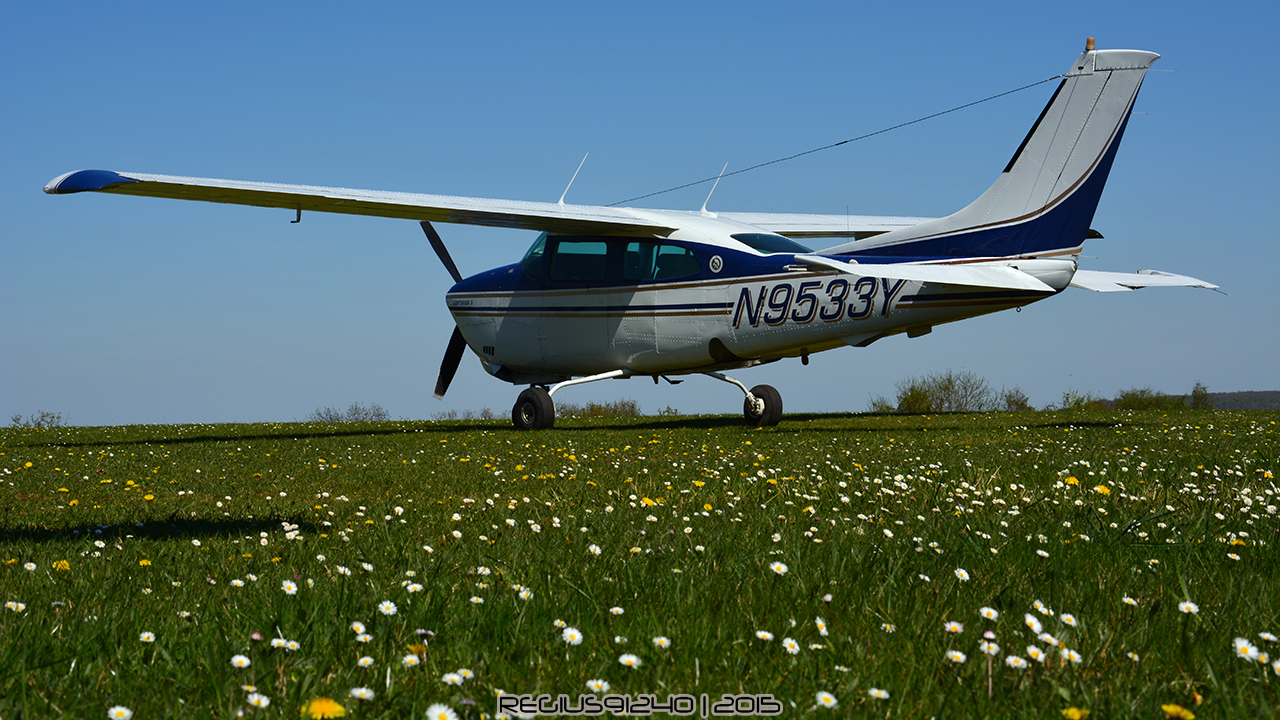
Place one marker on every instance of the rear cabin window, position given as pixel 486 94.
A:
pixel 645 260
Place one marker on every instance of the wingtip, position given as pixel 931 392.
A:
pixel 85 181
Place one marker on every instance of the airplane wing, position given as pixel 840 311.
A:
pixel 971 275
pixel 551 217
pixel 1100 281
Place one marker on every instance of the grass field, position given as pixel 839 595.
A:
pixel 164 569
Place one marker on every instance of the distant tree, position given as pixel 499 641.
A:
pixel 42 419
pixel 1014 400
pixel 625 407
pixel 1147 399
pixel 1200 397
pixel 949 391
pixel 356 413
pixel 881 404
pixel 1076 400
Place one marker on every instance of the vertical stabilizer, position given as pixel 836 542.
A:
pixel 1044 200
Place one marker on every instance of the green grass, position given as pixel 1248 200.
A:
pixel 871 514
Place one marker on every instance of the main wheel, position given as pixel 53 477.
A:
pixel 770 413
pixel 533 410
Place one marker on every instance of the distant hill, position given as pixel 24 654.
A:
pixel 1254 400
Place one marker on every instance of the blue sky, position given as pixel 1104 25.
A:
pixel 118 310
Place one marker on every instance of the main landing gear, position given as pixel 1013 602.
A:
pixel 534 409
pixel 762 406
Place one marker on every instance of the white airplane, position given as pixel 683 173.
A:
pixel 612 292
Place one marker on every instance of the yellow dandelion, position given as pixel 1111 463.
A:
pixel 1177 711
pixel 323 707
pixel 1071 480
pixel 1102 489
pixel 1075 713
pixel 144 562
pixel 61 565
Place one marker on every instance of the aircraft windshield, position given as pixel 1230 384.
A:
pixel 532 259
pixel 767 243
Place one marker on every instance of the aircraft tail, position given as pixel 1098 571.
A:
pixel 1044 200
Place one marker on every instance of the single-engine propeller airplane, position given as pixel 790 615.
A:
pixel 618 292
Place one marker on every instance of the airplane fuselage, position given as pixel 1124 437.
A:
pixel 580 306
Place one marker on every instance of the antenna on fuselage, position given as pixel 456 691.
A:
pixel 575 177
pixel 703 212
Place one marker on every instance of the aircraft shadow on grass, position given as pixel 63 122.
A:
pixel 170 528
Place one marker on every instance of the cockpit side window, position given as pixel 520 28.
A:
pixel 579 260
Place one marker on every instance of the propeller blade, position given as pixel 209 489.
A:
pixel 452 357
pixel 438 245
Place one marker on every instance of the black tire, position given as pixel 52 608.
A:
pixel 772 412
pixel 533 410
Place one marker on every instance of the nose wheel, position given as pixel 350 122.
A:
pixel 533 410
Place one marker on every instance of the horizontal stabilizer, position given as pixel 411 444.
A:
pixel 969 275
pixel 1100 281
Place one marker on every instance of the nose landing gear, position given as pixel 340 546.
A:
pixel 533 410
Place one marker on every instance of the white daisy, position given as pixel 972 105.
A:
pixel 441 711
